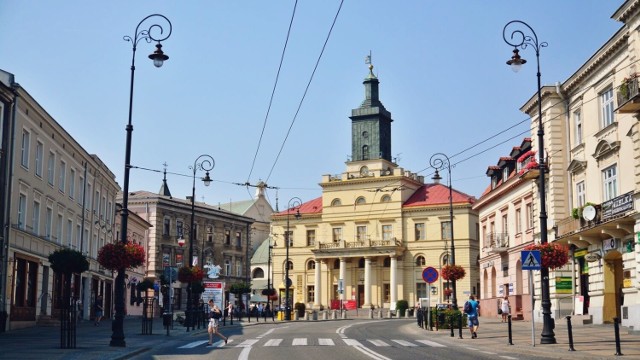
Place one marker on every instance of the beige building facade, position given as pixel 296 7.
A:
pixel 376 227
pixel 54 194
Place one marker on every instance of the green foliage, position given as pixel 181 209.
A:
pixel 575 213
pixel 240 288
pixel 446 317
pixel 68 261
pixel 402 306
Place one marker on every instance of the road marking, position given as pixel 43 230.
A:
pixel 404 343
pixel 191 345
pixel 378 342
pixel 299 342
pixel 430 343
pixel 508 357
pixel 265 333
pixel 244 354
pixel 328 342
pixel 352 342
pixel 273 342
pixel 246 343
pixel 488 352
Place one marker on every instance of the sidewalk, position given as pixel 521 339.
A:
pixel 589 341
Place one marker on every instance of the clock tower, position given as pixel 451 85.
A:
pixel 370 125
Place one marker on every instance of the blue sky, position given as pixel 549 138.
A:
pixel 441 66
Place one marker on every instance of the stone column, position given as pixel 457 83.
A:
pixel 394 279
pixel 343 276
pixel 367 282
pixel 316 300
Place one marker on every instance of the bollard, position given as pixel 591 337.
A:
pixel 509 327
pixel 430 320
pixel 459 325
pixel 616 328
pixel 570 331
pixel 451 326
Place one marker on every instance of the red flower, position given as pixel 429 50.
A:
pixel 448 292
pixel 453 272
pixel 190 274
pixel 553 255
pixel 121 256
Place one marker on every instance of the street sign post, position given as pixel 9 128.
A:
pixel 429 275
pixel 531 259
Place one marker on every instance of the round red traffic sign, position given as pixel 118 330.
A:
pixel 430 274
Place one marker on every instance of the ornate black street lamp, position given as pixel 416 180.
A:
pixel 519 39
pixel 206 164
pixel 440 161
pixel 294 204
pixel 158 57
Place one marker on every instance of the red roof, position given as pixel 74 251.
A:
pixel 310 207
pixel 434 194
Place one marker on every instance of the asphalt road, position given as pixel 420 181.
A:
pixel 353 340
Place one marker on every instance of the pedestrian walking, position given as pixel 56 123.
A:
pixel 214 315
pixel 505 308
pixel 420 317
pixel 471 309
pixel 260 312
pixel 99 311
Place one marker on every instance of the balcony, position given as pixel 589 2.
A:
pixel 498 243
pixel 362 247
pixel 628 97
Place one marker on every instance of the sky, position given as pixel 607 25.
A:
pixel 441 66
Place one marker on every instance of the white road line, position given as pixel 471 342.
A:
pixel 352 342
pixel 265 333
pixel 247 343
pixel 508 357
pixel 244 354
pixel 370 353
pixel 404 343
pixel 378 342
pixel 430 343
pixel 191 345
pixel 273 342
pixel 488 352
pixel 299 342
pixel 328 342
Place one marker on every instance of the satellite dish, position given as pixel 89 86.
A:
pixel 589 213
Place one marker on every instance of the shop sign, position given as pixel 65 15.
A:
pixel 580 252
pixel 618 205
pixel 609 244
pixel 563 285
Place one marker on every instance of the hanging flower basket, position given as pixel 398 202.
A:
pixel 145 285
pixel 448 292
pixel 190 274
pixel 453 272
pixel 68 261
pixel 553 255
pixel 121 256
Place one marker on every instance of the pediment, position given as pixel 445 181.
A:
pixel 605 148
pixel 576 166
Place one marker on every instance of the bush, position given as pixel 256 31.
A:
pixel 445 317
pixel 300 308
pixel 402 306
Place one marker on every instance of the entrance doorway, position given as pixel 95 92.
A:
pixel 612 273
pixel 360 295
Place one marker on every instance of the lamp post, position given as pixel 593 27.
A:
pixel 270 292
pixel 158 57
pixel 440 161
pixel 519 39
pixel 206 164
pixel 294 204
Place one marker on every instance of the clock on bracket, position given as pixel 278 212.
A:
pixel 364 171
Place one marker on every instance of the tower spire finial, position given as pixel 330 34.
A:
pixel 367 60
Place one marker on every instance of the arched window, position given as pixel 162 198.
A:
pixel 258 273
pixel 361 200
pixel 420 261
pixel 336 202
pixel 311 265
pixel 386 262
pixel 385 198
pixel 290 265
pixel 445 259
pixel 336 264
pixel 365 152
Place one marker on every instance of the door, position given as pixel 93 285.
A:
pixel 360 295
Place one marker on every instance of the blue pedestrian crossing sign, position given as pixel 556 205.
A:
pixel 531 259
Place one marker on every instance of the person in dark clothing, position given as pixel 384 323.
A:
pixel 420 317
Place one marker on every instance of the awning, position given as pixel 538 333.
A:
pixel 258 298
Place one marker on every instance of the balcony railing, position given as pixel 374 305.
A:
pixel 628 99
pixel 497 242
pixel 342 244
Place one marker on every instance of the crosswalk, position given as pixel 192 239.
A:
pixel 338 342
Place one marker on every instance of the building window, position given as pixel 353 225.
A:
pixel 69 232
pixel 581 194
pixel 311 265
pixel 361 233
pixel 419 231
pixel 80 190
pixel 387 232
pixel 22 211
pixel 35 220
pixel 288 235
pixel 577 123
pixel 609 182
pixel 59 229
pixel 361 201
pixel 290 263
pixel 365 152
pixel 238 239
pixel 88 193
pixel 48 223
pixel 51 168
pixel 239 267
pixel 96 202
pixel 26 275
pixel 26 140
pixel 227 237
pixel 336 202
pixel 386 290
pixel 166 227
pixel 109 213
pixel 386 262
pixel 62 176
pixel 505 224
pixel 39 158
pixel 311 293
pixel 505 174
pixel 518 221
pixel 72 183
pixel 385 198
pixel 311 237
pixel 494 182
pixel 336 234
pixel 445 229
pixel 227 267
pixel 421 290
pixel 606 103
pixel 420 261
pixel 529 214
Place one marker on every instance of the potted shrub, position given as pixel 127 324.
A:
pixel 576 212
pixel 402 306
pixel 116 256
pixel 553 255
pixel 453 272
pixel 68 261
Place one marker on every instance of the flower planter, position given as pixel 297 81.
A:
pixel 190 274
pixel 453 272
pixel 553 255
pixel 118 256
